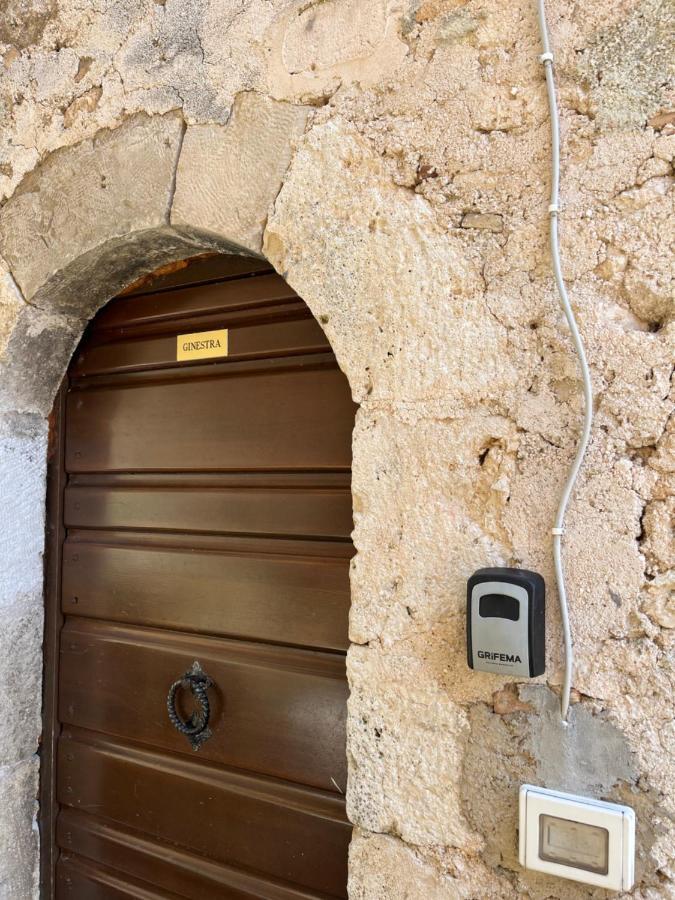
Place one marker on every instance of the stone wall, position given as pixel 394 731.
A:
pixel 390 158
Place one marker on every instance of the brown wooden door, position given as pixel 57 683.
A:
pixel 206 513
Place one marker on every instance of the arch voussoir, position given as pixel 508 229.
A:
pixel 229 176
pixel 85 196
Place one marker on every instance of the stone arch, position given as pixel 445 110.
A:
pixel 96 216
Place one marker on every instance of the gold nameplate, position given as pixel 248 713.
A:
pixel 201 345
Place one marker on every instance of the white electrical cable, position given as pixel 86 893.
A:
pixel 558 528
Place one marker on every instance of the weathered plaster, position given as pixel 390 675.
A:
pixel 22 473
pixel 18 834
pixel 409 210
pixel 11 305
pixel 23 451
pixel 314 48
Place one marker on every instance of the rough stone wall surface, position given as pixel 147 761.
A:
pixel 403 153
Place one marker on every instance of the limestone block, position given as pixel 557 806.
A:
pixel 625 81
pixel 23 23
pixel 11 304
pixel 385 868
pixel 229 175
pixel 483 221
pixel 604 569
pixel 23 459
pixel 317 46
pixel 18 834
pixel 20 678
pixel 660 600
pixel 637 400
pixel 84 196
pixel 658 545
pixel 428 501
pixel 406 740
pixel 398 297
pixel 637 228
pixel 48 339
pixel 664 147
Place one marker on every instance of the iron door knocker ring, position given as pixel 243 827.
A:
pixel 196 728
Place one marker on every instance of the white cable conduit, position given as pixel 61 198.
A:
pixel 559 525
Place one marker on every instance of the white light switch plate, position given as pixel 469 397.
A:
pixel 593 841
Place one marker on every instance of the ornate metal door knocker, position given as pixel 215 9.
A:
pixel 196 728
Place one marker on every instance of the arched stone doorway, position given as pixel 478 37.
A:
pixel 96 216
pixel 258 431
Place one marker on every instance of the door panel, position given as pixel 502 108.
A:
pixel 133 856
pixel 318 506
pixel 205 517
pixel 281 830
pixel 80 880
pixel 220 419
pixel 264 290
pixel 260 691
pixel 253 334
pixel 212 588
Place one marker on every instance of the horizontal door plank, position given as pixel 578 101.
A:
pixel 300 334
pixel 167 867
pixel 324 512
pixel 79 879
pixel 294 419
pixel 183 302
pixel 276 711
pixel 278 598
pixel 197 270
pixel 286 832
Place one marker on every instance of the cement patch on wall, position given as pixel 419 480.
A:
pixel 409 210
